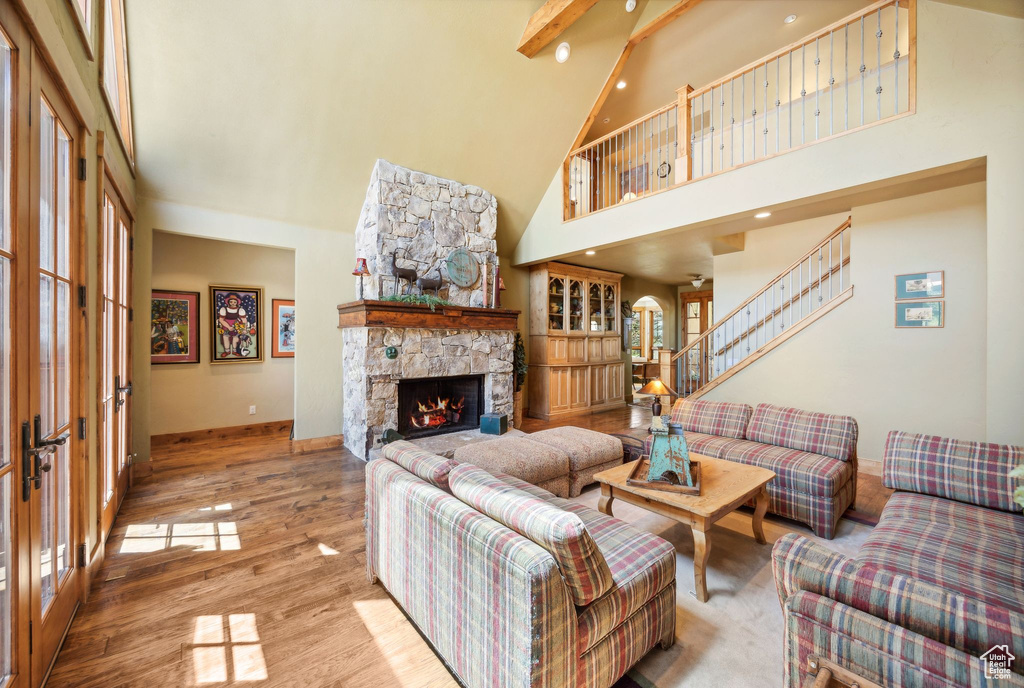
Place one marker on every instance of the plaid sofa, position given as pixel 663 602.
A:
pixel 520 597
pixel 938 583
pixel 814 455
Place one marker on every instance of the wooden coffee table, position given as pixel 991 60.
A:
pixel 725 485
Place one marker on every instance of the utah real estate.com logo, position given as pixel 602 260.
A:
pixel 998 661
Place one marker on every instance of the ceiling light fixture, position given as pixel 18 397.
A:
pixel 697 281
pixel 590 253
pixel 790 19
pixel 562 52
pixel 607 120
pixel 630 5
pixel 763 214
pixel 621 85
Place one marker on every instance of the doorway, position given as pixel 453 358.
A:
pixel 42 361
pixel 698 316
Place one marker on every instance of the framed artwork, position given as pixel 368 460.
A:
pixel 633 181
pixel 237 314
pixel 920 285
pixel 284 328
pixel 174 327
pixel 920 314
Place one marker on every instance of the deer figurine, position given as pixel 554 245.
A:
pixel 425 283
pixel 407 274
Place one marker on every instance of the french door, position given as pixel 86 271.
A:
pixel 115 351
pixel 41 328
pixel 697 317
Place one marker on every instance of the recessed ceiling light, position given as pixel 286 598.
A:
pixel 630 5
pixel 621 85
pixel 763 214
pixel 790 19
pixel 590 253
pixel 607 120
pixel 562 52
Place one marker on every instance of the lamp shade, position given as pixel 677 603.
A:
pixel 657 388
pixel 360 269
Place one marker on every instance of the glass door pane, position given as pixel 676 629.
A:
pixel 556 303
pixel 7 555
pixel 107 370
pixel 575 306
pixel 609 308
pixel 594 306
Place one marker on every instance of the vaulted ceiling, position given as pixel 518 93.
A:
pixel 279 109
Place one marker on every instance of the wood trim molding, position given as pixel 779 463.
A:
pixel 316 444
pixel 547 23
pixel 271 428
pixel 638 37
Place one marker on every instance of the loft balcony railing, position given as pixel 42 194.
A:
pixel 855 73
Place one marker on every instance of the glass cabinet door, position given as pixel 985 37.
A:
pixel 594 307
pixel 556 303
pixel 576 305
pixel 609 308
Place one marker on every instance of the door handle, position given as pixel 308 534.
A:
pixel 119 392
pixel 32 454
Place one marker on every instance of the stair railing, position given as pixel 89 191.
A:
pixel 801 293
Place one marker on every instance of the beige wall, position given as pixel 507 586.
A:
pixel 197 397
pixel 970 53
pixel 854 361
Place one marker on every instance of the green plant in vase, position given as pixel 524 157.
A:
pixel 519 370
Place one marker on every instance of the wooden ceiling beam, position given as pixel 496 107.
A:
pixel 554 17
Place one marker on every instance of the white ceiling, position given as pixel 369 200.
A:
pixel 279 109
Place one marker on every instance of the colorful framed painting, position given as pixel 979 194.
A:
pixel 237 332
pixel 174 327
pixel 920 314
pixel 920 285
pixel 284 328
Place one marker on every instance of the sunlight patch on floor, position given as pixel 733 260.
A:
pixel 219 507
pixel 399 643
pixel 202 537
pixel 226 648
pixel 327 551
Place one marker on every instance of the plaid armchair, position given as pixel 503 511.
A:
pixel 939 582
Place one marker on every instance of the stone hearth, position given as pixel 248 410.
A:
pixel 425 218
pixel 371 379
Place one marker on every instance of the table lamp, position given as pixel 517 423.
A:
pixel 658 389
pixel 360 271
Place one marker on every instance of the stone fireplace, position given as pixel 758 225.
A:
pixel 397 356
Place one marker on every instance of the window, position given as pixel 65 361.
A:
pixel 646 332
pixel 114 75
pixel 657 330
pixel 82 9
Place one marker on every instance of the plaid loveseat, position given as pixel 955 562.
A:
pixel 511 585
pixel 814 455
pixel 937 585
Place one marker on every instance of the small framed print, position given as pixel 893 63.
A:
pixel 237 315
pixel 284 328
pixel 920 314
pixel 174 327
pixel 920 285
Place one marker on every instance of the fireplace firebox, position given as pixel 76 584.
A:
pixel 438 405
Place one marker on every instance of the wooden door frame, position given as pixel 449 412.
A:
pixel 43 84
pixel 108 185
pixel 703 297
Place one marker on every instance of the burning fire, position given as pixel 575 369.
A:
pixel 437 412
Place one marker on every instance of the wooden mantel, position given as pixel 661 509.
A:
pixel 369 313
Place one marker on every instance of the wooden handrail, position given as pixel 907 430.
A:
pixel 824 242
pixel 810 38
pixel 650 115
pixel 735 341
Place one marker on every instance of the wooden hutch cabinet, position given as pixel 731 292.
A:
pixel 576 363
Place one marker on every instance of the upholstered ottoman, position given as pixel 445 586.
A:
pixel 545 466
pixel 590 452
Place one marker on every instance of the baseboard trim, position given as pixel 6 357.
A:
pixel 316 444
pixel 271 428
pixel 869 466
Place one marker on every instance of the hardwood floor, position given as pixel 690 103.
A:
pixel 276 594
pixel 240 563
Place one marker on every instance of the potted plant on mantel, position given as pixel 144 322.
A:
pixel 519 369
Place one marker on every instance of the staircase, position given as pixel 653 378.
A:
pixel 805 291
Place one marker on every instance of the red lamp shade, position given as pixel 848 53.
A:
pixel 360 269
